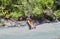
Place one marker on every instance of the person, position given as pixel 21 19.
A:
pixel 29 22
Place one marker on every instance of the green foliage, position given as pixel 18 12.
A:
pixel 37 10
pixel 16 14
pixel 18 8
pixel 58 13
pixel 49 3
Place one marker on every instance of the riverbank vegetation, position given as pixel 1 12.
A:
pixel 37 9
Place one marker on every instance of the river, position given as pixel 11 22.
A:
pixel 42 31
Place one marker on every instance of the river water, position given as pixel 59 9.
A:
pixel 42 31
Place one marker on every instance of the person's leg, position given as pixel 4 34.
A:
pixel 29 25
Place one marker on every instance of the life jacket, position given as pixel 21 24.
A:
pixel 29 21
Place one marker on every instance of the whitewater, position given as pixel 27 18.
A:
pixel 42 31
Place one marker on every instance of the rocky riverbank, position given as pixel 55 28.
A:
pixel 11 23
pixel 14 23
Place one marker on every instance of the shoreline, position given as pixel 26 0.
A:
pixel 14 23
